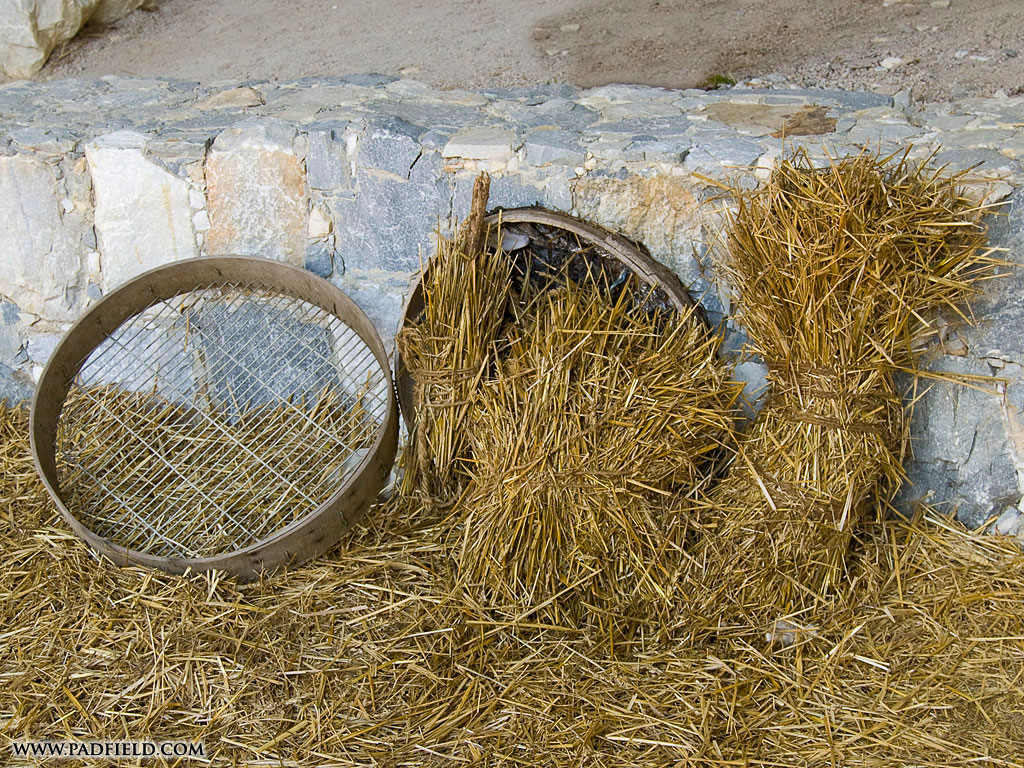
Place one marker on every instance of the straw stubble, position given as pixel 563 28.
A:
pixel 370 656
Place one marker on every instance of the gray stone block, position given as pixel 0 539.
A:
pixel 389 222
pixel 391 145
pixel 369 79
pixel 999 331
pixel 381 295
pixel 451 117
pixel 533 94
pixel 320 258
pixel 849 99
pixel 256 354
pixel 659 126
pixel 713 150
pixel 10 343
pixel 653 150
pixel 327 165
pixel 9 312
pixel 513 191
pixel 555 147
pixel 557 112
pixel 14 386
pixel 871 132
pixel 961 453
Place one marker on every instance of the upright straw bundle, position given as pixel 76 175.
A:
pixel 447 351
pixel 838 271
pixel 597 412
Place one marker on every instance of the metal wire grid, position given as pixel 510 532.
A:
pixel 226 413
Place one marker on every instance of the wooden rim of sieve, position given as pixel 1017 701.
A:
pixel 293 543
pixel 616 246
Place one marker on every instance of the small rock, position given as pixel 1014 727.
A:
pixel 891 62
pixel 319 225
pixel 540 33
pixel 570 27
pixel 940 3
pixel 320 258
pixel 961 54
pixel 1008 523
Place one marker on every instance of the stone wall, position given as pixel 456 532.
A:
pixel 347 177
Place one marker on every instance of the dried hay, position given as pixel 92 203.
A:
pixel 596 413
pixel 839 272
pixel 369 657
pixel 448 349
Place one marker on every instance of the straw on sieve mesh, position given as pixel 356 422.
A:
pixel 218 413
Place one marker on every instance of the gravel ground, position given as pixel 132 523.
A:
pixel 938 49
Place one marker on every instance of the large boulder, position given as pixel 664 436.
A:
pixel 31 29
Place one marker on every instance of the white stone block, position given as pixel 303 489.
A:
pixel 143 218
pixel 481 144
pixel 40 250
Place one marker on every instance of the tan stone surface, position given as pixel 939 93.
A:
pixel 256 199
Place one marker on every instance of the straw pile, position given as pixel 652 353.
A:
pixel 839 271
pixel 368 657
pixel 596 413
pixel 163 478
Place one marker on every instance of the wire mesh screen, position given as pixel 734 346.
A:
pixel 209 421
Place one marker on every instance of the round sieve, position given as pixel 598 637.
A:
pixel 592 248
pixel 229 412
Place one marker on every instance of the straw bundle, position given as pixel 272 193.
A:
pixel 838 271
pixel 369 657
pixel 447 350
pixel 159 475
pixel 596 413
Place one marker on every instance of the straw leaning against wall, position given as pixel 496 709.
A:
pixel 598 411
pixel 448 349
pixel 839 271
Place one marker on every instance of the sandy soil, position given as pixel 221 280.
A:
pixel 940 49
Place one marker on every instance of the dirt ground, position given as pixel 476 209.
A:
pixel 939 49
